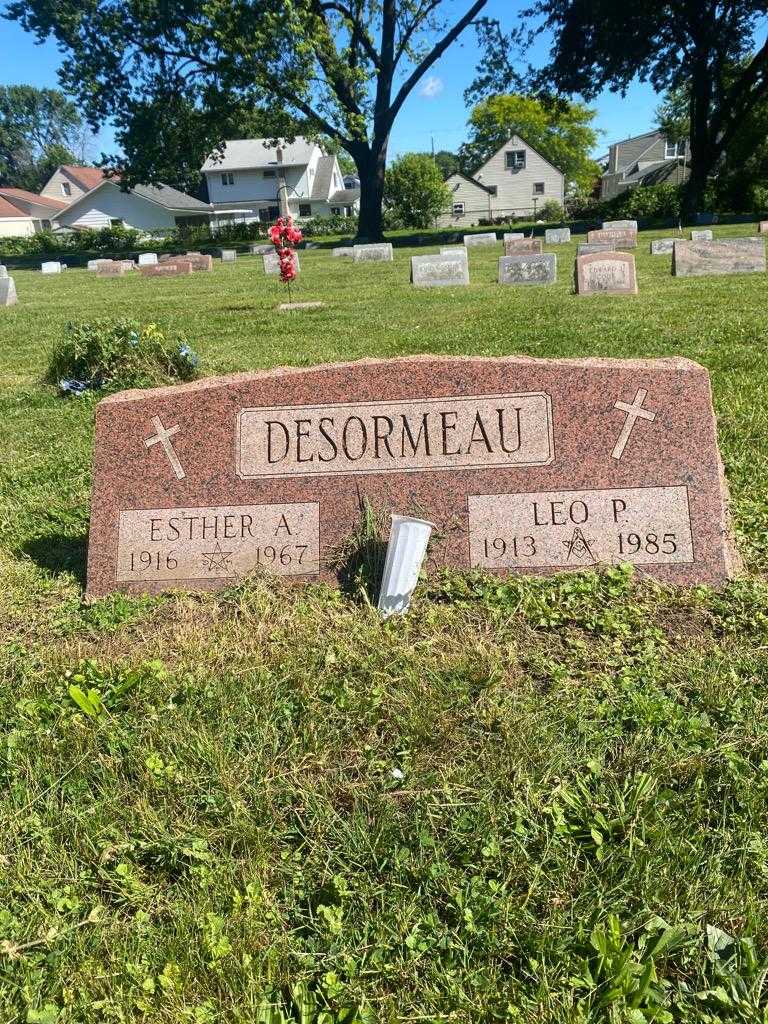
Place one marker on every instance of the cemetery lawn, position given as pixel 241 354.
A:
pixel 528 800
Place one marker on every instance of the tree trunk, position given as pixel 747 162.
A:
pixel 704 151
pixel 371 164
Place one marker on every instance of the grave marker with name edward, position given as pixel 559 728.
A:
pixel 522 464
pixel 606 273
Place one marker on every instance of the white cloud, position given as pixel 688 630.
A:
pixel 432 87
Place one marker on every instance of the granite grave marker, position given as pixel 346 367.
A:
pixel 272 262
pixel 585 248
pixel 522 245
pixel 528 268
pixel 622 238
pixel 606 273
pixel 441 271
pixel 557 236
pixel 373 252
pixel 523 465
pixel 486 238
pixel 7 291
pixel 723 256
pixel 621 225
pixel 663 246
pixel 702 235
pixel 147 259
pixel 51 267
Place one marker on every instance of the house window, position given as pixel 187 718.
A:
pixel 538 188
pixel 672 150
pixel 515 159
pixel 305 209
pixel 228 178
pixel 458 209
pixel 116 222
pixel 269 174
pixel 335 211
pixel 66 188
pixel 268 213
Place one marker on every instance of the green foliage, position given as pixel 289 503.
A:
pixel 551 211
pixel 318 227
pixel 562 132
pixel 117 354
pixel 414 190
pixel 38 130
pixel 653 202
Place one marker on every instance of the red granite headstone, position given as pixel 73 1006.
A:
pixel 606 273
pixel 622 238
pixel 523 464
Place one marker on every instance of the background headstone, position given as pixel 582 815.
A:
pixel 439 271
pixel 175 268
pixel 663 246
pixel 199 261
pixel 513 236
pixel 528 269
pixel 7 291
pixel 51 267
pixel 522 245
pixel 762 227
pixel 260 249
pixel 110 268
pixel 585 248
pixel 557 236
pixel 94 265
pixel 373 252
pixel 524 465
pixel 702 235
pixel 228 255
pixel 606 273
pixel 453 250
pixel 272 262
pixel 3 271
pixel 626 225
pixel 344 251
pixel 487 238
pixel 722 256
pixel 147 259
pixel 622 238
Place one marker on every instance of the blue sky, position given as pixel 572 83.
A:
pixel 434 111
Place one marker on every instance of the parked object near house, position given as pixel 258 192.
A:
pixel 253 181
pixel 514 182
pixel 648 159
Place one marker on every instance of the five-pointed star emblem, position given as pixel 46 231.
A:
pixel 217 560
pixel 579 547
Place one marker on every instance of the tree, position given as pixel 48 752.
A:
pixel 33 123
pixel 447 162
pixel 339 67
pixel 561 132
pixel 678 43
pixel 415 191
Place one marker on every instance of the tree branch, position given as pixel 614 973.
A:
pixel 435 55
pixel 359 28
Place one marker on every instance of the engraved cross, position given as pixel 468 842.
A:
pixel 634 412
pixel 163 437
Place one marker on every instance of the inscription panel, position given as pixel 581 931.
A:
pixel 223 542
pixel 569 529
pixel 408 436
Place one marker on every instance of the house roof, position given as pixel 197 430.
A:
pixel 471 180
pixel 32 197
pixel 345 196
pixel 85 177
pixel 321 186
pixel 9 210
pixel 244 154
pixel 655 173
pixel 162 195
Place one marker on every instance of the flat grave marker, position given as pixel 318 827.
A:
pixel 523 465
pixel 486 238
pixel 702 235
pixel 148 259
pixel 528 269
pixel 175 268
pixel 557 236
pixel 723 256
pixel 454 250
pixel 373 252
pixel 51 267
pixel 344 252
pixel 606 273
pixel 522 245
pixel 441 271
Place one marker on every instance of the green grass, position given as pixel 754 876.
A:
pixel 529 800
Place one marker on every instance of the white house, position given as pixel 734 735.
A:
pixel 248 180
pixel 69 182
pixel 143 207
pixel 515 182
pixel 24 213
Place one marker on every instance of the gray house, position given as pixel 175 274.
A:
pixel 648 159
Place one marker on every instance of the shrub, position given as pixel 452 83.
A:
pixel 650 202
pixel 115 354
pixel 551 211
pixel 319 226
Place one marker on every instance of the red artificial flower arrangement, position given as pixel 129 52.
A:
pixel 284 236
